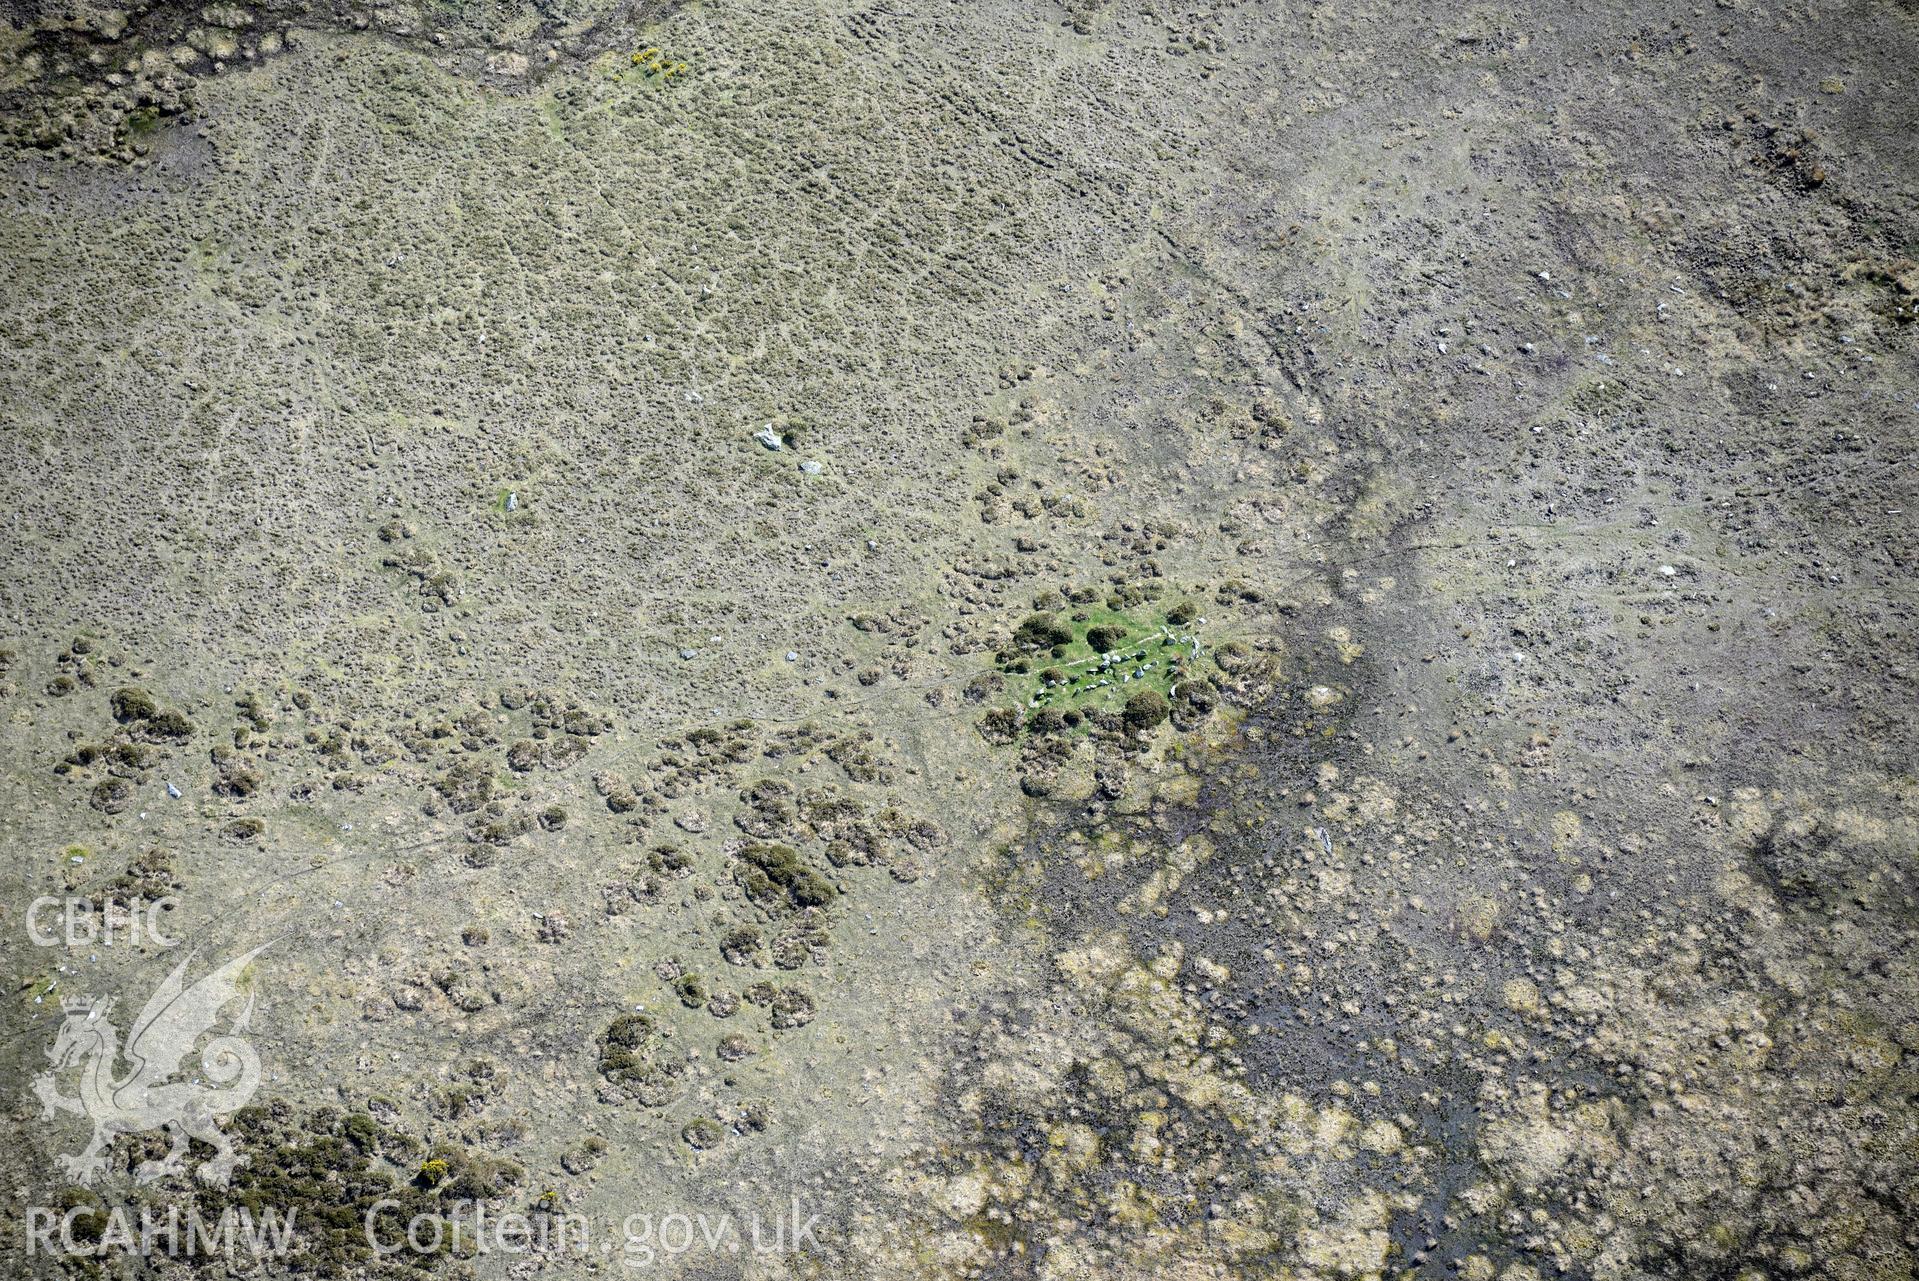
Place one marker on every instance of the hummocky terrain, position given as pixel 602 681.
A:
pixel 1091 640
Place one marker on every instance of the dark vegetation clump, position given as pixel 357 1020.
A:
pixel 132 704
pixel 1042 631
pixel 792 1008
pixel 702 1133
pixel 1145 710
pixel 149 878
pixel 328 1170
pixel 634 1057
pixel 741 945
pixel 774 877
pixel 1193 701
pixel 111 795
pixel 1000 726
pixel 1047 721
pixel 692 990
pixel 135 708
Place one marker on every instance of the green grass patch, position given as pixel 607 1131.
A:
pixel 1102 658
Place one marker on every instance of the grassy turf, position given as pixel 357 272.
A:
pixel 1155 655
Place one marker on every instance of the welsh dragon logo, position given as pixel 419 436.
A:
pixel 145 1098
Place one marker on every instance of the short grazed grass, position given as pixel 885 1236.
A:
pixel 1154 654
